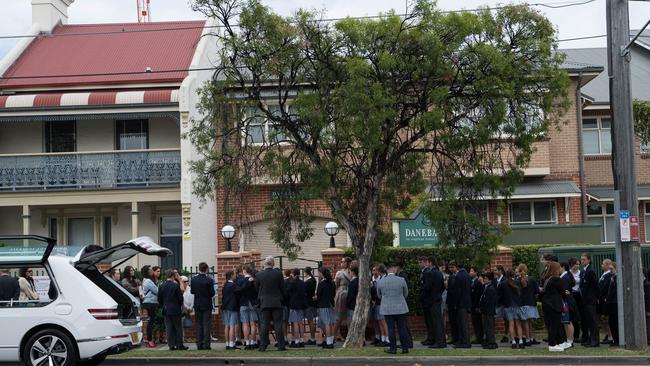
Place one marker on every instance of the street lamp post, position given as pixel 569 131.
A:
pixel 331 229
pixel 228 232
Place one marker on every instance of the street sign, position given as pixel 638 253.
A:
pixel 634 228
pixel 624 224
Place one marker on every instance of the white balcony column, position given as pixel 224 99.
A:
pixel 134 228
pixel 26 220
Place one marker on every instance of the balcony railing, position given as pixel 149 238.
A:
pixel 96 170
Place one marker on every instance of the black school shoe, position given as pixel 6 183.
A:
pixel 311 342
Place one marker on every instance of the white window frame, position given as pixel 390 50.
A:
pixel 603 215
pixel 266 125
pixel 532 213
pixel 599 130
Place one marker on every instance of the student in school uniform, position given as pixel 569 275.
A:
pixel 248 316
pixel 510 295
pixel 353 292
pixel 310 311
pixel 529 312
pixel 325 303
pixel 487 307
pixel 230 307
pixel 297 305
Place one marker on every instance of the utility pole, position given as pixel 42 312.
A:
pixel 631 306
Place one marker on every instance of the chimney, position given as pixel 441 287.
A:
pixel 46 14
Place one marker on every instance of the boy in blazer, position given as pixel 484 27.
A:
pixel 230 307
pixel 487 308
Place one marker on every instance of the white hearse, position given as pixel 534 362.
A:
pixel 79 315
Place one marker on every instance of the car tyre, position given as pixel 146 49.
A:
pixel 49 347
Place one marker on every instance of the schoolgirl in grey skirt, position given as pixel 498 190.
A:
pixel 325 303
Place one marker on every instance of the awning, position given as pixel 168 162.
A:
pixel 536 189
pixel 606 193
pixel 95 99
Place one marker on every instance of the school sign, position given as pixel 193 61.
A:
pixel 417 232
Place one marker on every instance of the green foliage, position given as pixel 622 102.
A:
pixel 642 120
pixel 529 255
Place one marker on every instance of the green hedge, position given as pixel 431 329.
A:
pixel 529 255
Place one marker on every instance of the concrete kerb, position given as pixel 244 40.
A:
pixel 387 361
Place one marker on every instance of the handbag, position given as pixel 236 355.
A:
pixel 187 322
pixel 565 307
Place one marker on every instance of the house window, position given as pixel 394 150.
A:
pixel 132 134
pixel 596 135
pixel 60 136
pixel 53 231
pixel 647 222
pixel 81 231
pixel 261 130
pixel 603 214
pixel 532 212
pixel 108 238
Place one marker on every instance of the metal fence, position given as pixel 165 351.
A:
pixel 283 262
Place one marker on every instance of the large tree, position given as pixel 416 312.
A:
pixel 363 113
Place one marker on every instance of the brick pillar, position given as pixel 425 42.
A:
pixel 255 257
pixel 502 256
pixel 226 261
pixel 332 258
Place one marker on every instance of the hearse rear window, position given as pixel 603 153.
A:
pixel 24 287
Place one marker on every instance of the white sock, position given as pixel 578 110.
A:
pixel 384 338
pixel 330 340
pixel 378 337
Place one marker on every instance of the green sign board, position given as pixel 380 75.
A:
pixel 417 233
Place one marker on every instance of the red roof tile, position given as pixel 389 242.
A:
pixel 107 53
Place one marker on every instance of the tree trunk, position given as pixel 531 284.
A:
pixel 357 329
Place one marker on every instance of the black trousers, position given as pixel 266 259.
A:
pixel 647 325
pixel 266 315
pixel 453 323
pixel 400 322
pixel 612 320
pixel 438 324
pixel 428 322
pixel 488 329
pixel 204 323
pixel 174 329
pixel 151 314
pixel 577 321
pixel 554 326
pixel 462 326
pixel 477 323
pixel 590 318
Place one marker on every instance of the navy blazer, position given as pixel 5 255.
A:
pixel 246 291
pixel 509 296
pixel 325 294
pixel 9 288
pixel 170 298
pixel 433 285
pixel 463 289
pixel 310 289
pixel 202 287
pixel 603 286
pixel 589 286
pixel 611 297
pixel 477 291
pixel 297 294
pixel 229 297
pixel 529 293
pixel 353 292
pixel 488 300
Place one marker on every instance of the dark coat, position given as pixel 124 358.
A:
pixel 202 287
pixel 603 286
pixel 246 291
pixel 589 286
pixel 405 276
pixel 9 288
pixel 646 295
pixel 477 291
pixel 509 296
pixel 553 294
pixel 353 292
pixel 529 293
pixel 488 300
pixel 170 298
pixel 270 288
pixel 229 297
pixel 325 294
pixel 611 297
pixel 310 289
pixel 297 294
pixel 452 297
pixel 463 289
pixel 433 285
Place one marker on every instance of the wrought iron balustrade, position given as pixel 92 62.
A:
pixel 105 170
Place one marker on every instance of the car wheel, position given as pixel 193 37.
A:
pixel 49 347
pixel 92 362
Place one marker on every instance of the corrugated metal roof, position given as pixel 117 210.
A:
pixel 107 53
pixel 559 188
pixel 606 193
pixel 598 88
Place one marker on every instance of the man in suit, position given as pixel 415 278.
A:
pixel 463 304
pixel 589 291
pixel 170 299
pixel 603 290
pixel 9 287
pixel 430 297
pixel 202 287
pixel 476 291
pixel 271 294
pixel 393 291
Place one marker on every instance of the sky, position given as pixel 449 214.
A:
pixel 576 21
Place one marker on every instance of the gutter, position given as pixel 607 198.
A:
pixel 581 156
